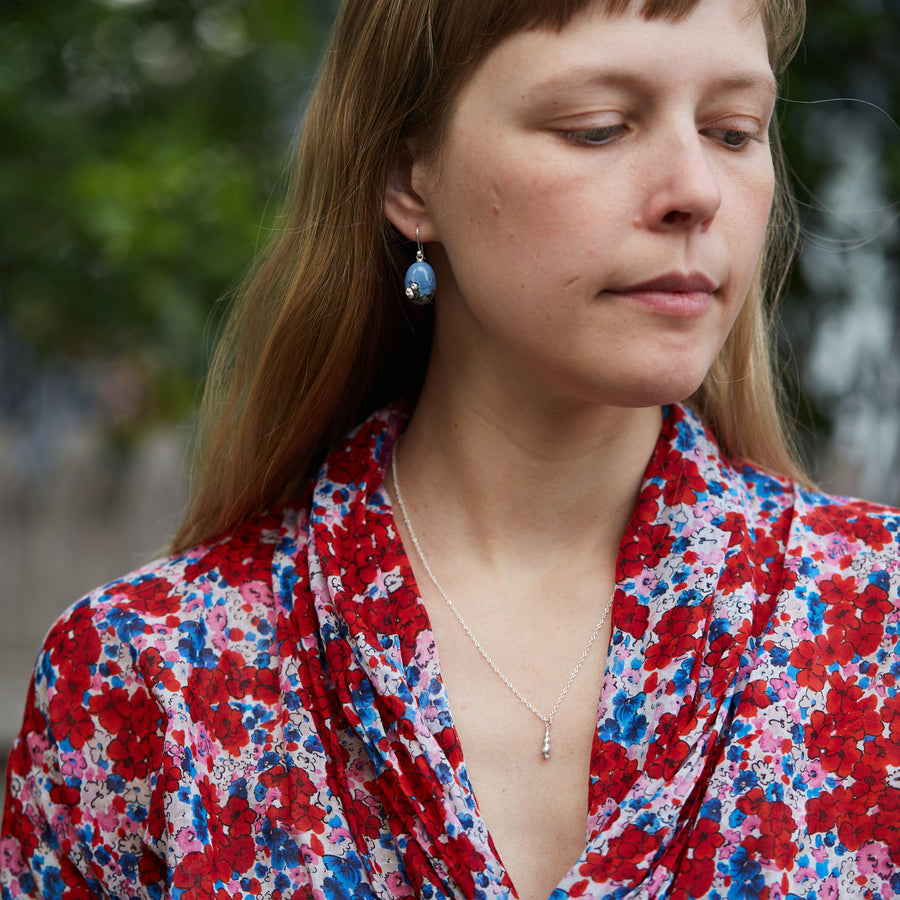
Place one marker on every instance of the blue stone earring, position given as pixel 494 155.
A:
pixel 420 280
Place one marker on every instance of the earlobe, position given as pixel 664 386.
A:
pixel 406 209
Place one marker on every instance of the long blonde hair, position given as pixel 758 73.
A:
pixel 319 336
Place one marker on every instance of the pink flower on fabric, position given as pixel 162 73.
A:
pixel 814 775
pixel 873 859
pixel 784 686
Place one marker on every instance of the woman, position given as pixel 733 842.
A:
pixel 263 714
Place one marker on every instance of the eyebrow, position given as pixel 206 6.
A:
pixel 593 76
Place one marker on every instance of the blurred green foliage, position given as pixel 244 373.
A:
pixel 143 142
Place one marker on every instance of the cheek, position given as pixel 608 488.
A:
pixel 520 204
pixel 745 223
pixel 755 200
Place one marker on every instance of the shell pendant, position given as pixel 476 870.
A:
pixel 545 747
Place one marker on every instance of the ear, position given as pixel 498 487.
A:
pixel 404 207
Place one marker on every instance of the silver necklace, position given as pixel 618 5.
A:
pixel 547 720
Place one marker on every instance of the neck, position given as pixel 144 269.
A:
pixel 517 483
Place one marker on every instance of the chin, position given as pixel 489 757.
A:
pixel 643 391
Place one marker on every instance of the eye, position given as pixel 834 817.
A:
pixel 733 138
pixel 594 137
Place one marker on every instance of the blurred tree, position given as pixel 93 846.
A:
pixel 141 142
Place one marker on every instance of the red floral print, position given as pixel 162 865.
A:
pixel 264 716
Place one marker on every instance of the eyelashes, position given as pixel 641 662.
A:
pixel 734 138
pixel 594 137
pixel 730 138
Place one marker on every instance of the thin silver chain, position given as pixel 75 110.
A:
pixel 547 720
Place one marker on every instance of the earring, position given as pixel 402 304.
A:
pixel 420 279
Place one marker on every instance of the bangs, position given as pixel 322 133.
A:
pixel 462 32
pixel 559 14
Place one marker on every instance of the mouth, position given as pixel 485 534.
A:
pixel 673 294
pixel 673 283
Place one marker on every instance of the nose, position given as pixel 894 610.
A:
pixel 684 190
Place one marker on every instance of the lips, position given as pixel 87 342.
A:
pixel 673 283
pixel 673 294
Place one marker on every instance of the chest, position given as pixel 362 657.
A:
pixel 535 808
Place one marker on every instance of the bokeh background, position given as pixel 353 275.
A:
pixel 143 149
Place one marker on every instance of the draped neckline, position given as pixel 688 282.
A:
pixel 682 584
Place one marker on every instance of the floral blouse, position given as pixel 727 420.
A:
pixel 263 716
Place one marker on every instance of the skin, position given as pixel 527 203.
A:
pixel 579 166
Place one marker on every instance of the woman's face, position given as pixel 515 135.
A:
pixel 597 210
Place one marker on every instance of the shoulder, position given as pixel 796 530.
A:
pixel 763 494
pixel 859 524
pixel 139 688
pixel 844 556
pixel 826 525
pixel 162 601
pixel 150 635
pixel 809 539
pixel 828 534
pixel 839 597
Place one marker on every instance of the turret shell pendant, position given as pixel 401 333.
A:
pixel 545 747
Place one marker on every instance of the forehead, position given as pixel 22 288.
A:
pixel 713 39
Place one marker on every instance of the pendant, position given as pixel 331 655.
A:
pixel 545 747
